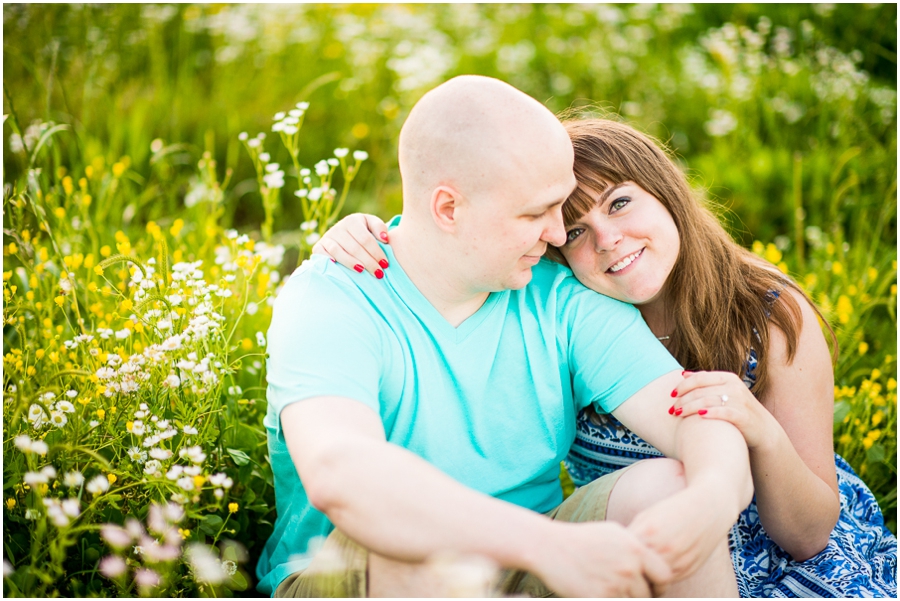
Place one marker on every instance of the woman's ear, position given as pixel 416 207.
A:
pixel 445 203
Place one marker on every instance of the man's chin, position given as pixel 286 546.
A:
pixel 518 280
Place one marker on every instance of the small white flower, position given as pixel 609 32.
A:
pixel 290 129
pixel 71 393
pixel 341 152
pixel 36 415
pixel 219 493
pixel 23 443
pixel 161 454
pixel 242 136
pixel 360 155
pixel 73 479
pixel 33 479
pixel 71 507
pixel 302 105
pixel 301 193
pixel 65 406
pixel 93 423
pixel 123 334
pixel 190 430
pixel 333 162
pixel 253 143
pixel 58 419
pixel 278 116
pixel 252 308
pixel 313 238
pixel 186 483
pixel 137 455
pixel 260 339
pixel 322 168
pixel 315 194
pixel 40 447
pixel 264 157
pixel 49 471
pixel 172 381
pixel 97 485
pixel 152 467
pixel 137 428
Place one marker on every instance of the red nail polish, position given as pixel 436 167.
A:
pixel 384 236
pixel 359 269
pixel 672 410
pixel 702 412
pixel 674 393
pixel 379 274
pixel 384 264
pixel 679 411
pixel 333 261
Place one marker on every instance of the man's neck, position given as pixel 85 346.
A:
pixel 434 276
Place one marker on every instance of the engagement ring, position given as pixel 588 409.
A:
pixel 724 399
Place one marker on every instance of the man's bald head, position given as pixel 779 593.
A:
pixel 472 134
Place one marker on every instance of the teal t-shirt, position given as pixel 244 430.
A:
pixel 491 402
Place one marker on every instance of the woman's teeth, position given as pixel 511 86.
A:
pixel 625 262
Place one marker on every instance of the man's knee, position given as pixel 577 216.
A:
pixel 644 484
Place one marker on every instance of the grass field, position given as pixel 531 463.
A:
pixel 152 207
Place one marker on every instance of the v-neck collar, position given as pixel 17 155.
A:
pixel 422 307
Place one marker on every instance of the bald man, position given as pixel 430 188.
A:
pixel 427 413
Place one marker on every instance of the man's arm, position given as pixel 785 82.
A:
pixel 687 526
pixel 398 505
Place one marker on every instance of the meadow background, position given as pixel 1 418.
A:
pixel 148 224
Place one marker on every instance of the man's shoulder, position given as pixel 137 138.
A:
pixel 318 280
pixel 550 279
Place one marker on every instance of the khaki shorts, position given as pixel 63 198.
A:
pixel 587 504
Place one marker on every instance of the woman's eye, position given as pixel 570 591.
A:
pixel 619 203
pixel 572 234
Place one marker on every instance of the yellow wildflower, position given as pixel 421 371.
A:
pixel 68 185
pixel 101 413
pixel 112 478
pixel 867 443
pixel 876 373
pixel 837 268
pixel 198 481
pixel 177 226
pixel 872 273
pixel 118 169
pixel 891 384
pixel 30 371
pixel 60 212
pixel 772 254
pixel 82 183
pixel 39 353
pixel 874 434
pixel 852 290
pixel 758 247
pixel 13 249
pixel 863 348
pixel 126 305
pixel 184 533
pixel 232 508
pixel 10 503
pixel 89 171
pixel 247 344
pixel 60 300
pixel 54 356
pixel 105 250
pixel 86 200
pixel 845 439
pixel 876 419
pixel 7 275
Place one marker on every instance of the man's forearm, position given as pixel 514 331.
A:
pixel 716 458
pixel 400 506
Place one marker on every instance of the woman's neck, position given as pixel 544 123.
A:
pixel 658 317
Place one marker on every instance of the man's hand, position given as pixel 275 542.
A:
pixel 599 559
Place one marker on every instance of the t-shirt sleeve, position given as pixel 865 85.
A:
pixel 612 353
pixel 321 342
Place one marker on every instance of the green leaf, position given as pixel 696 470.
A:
pixel 240 457
pixel 875 454
pixel 211 524
pixel 841 409
pixel 43 140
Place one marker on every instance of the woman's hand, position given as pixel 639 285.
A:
pixel 352 243
pixel 722 395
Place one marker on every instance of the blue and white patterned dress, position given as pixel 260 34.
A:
pixel 859 561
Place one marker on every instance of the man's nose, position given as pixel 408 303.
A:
pixel 555 232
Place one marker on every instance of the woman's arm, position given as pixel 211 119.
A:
pixel 788 433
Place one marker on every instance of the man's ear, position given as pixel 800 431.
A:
pixel 445 205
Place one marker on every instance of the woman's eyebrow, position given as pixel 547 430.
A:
pixel 608 192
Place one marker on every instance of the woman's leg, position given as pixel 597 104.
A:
pixel 650 481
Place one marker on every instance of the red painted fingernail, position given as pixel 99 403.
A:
pixel 702 412
pixel 384 264
pixel 383 236
pixel 672 410
pixel 379 274
pixel 674 393
pixel 333 261
pixel 359 268
pixel 679 411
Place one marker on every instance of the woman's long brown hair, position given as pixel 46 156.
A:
pixel 718 292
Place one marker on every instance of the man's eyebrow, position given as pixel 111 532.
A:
pixel 608 192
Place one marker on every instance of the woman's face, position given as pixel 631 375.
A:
pixel 625 247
